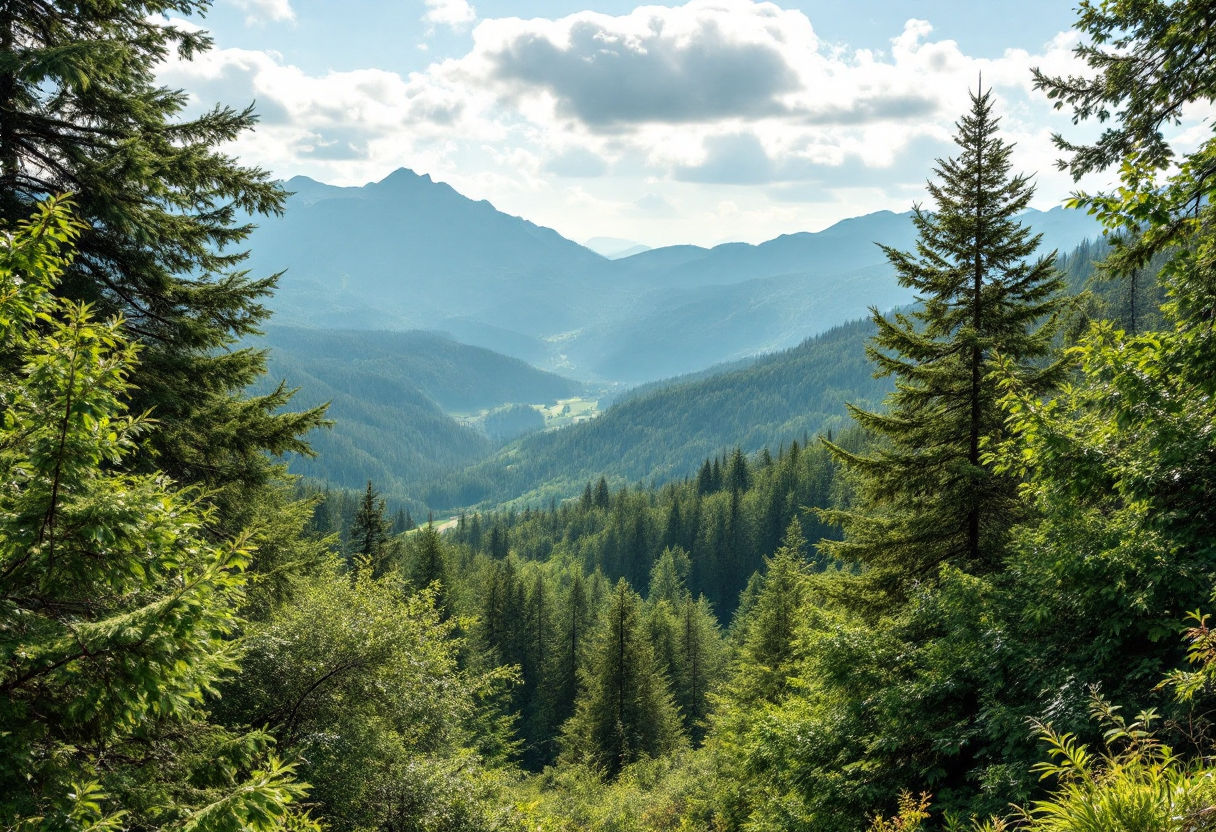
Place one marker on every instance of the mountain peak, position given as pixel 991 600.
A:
pixel 404 177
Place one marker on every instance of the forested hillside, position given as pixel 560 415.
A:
pixel 391 396
pixel 667 432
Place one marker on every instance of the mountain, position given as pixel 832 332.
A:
pixel 614 248
pixel 411 253
pixel 666 431
pixel 392 396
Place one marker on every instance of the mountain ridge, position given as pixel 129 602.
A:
pixel 409 252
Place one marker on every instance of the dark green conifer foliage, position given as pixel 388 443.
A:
pixel 574 624
pixel 537 637
pixel 429 566
pixel 700 654
pixel 668 576
pixel 601 498
pixel 117 608
pixel 738 476
pixel 767 655
pixel 625 710
pixel 163 208
pixel 927 497
pixel 369 534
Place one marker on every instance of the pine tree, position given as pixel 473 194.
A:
pixel 927 495
pixel 625 710
pixel 163 208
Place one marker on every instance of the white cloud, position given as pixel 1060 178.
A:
pixel 455 13
pixel 261 11
pixel 686 106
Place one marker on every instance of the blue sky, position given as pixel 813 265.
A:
pixel 700 122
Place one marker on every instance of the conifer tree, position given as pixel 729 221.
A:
pixel 625 710
pixel 601 494
pixel 429 569
pixel 927 496
pixel 700 653
pixel 369 533
pixel 668 577
pixel 574 624
pixel 118 611
pixel 767 656
pixel 163 208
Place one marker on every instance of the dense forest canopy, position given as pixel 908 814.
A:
pixel 977 605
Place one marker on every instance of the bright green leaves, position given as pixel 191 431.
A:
pixel 362 682
pixel 118 610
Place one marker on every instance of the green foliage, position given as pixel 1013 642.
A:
pixel 768 630
pixel 927 498
pixel 725 533
pixel 626 712
pixel 663 433
pixel 118 606
pixel 162 208
pixel 1136 785
pixel 362 683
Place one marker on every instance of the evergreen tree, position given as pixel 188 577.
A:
pixel 118 611
pixel 539 707
pixel 738 475
pixel 162 208
pixel 369 533
pixel 573 627
pixel 927 495
pixel 429 569
pixel 668 577
pixel 700 652
pixel 625 710
pixel 767 656
pixel 601 494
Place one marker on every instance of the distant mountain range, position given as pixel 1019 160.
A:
pixel 614 248
pixel 410 253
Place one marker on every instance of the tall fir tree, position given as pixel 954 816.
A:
pixel 369 534
pixel 766 657
pixel 165 211
pixel 428 566
pixel 625 711
pixel 927 496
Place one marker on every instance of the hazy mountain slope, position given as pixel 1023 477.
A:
pixel 419 251
pixel 384 431
pixel 456 376
pixel 409 253
pixel 389 392
pixel 713 324
pixel 667 432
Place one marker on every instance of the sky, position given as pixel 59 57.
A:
pixel 702 122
